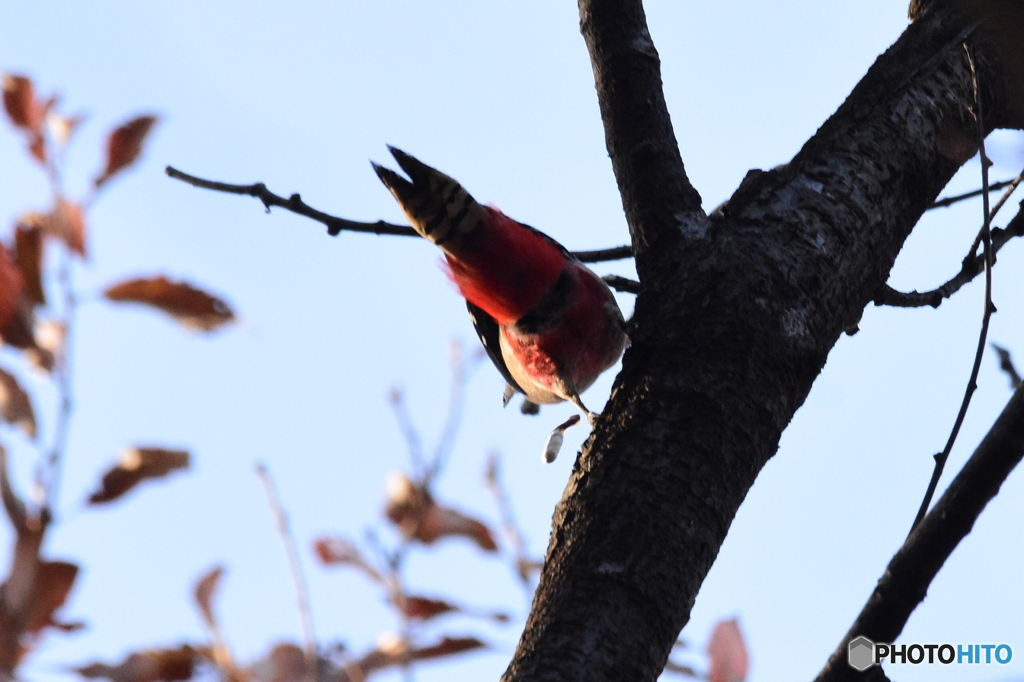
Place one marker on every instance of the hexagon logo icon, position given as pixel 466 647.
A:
pixel 860 653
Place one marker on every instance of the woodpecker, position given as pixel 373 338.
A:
pixel 548 323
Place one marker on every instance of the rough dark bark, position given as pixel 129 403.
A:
pixel 734 320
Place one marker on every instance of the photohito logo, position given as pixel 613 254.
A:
pixel 862 653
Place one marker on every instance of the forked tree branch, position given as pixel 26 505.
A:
pixel 294 566
pixel 659 201
pixel 972 266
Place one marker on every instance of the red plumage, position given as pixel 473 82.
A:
pixel 549 324
pixel 504 267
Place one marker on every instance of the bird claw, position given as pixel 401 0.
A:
pixel 578 402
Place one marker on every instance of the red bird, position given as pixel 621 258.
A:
pixel 549 324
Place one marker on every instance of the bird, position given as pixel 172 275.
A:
pixel 548 323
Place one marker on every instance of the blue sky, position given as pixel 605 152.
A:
pixel 499 95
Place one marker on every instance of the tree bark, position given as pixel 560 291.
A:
pixel 734 320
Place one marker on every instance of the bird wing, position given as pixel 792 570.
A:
pixel 489 332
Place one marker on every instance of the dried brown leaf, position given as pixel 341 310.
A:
pixel 15 508
pixel 53 583
pixel 333 550
pixel 28 256
pixel 286 662
pixel 393 650
pixel 727 653
pixel 192 307
pixel 124 145
pixel 66 222
pixel 15 311
pixel 37 148
pixel 154 665
pixel 16 405
pixel 17 331
pixel 24 110
pixel 11 286
pixel 424 608
pixel 419 517
pixel 135 466
pixel 447 647
pixel 205 589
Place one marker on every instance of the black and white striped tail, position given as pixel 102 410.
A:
pixel 438 207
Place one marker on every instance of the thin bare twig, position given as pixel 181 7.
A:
pixel 50 475
pixel 599 255
pixel 949 201
pixel 972 263
pixel 972 266
pixel 412 437
pixel 523 564
pixel 461 368
pixel 986 241
pixel 223 657
pixel 336 225
pixel 295 204
pixel 993 212
pixel 1011 187
pixel 426 471
pixel 397 596
pixel 301 591
pixel 623 284
pixel 1006 364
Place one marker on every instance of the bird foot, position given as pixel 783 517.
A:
pixel 591 416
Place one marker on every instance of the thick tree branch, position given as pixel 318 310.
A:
pixel 906 579
pixel 659 201
pixel 734 321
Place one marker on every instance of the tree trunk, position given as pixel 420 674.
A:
pixel 734 320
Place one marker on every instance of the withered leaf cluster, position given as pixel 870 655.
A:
pixel 418 516
pixel 35 323
pixel 35 588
